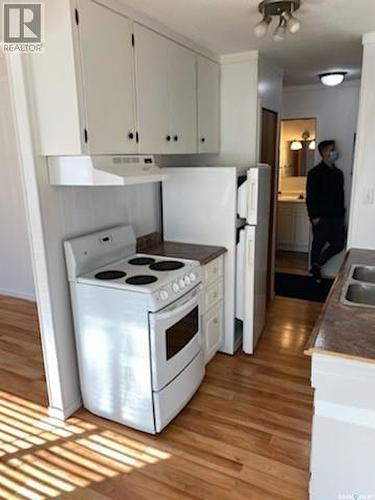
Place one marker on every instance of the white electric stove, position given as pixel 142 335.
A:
pixel 137 326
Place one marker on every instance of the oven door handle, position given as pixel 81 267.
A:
pixel 177 309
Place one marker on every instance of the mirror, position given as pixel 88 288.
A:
pixel 297 147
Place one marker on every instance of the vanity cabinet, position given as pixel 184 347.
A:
pixel 108 85
pixel 293 227
pixel 213 307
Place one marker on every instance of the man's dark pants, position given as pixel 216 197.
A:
pixel 329 231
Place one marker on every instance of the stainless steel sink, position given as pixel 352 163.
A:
pixel 361 295
pixel 365 274
pixel 359 289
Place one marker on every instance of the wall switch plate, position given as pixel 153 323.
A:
pixel 368 196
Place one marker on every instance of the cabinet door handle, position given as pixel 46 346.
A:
pixel 168 138
pixel 203 139
pixel 175 138
pixel 216 321
pixel 131 136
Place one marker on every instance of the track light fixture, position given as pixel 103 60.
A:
pixel 283 9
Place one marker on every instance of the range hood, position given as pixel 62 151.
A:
pixel 108 170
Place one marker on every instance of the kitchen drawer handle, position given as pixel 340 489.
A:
pixel 130 136
pixel 175 138
pixel 203 139
pixel 169 138
pixel 216 321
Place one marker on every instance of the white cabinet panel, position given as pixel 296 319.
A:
pixel 285 227
pixel 182 98
pixel 107 67
pixel 302 236
pixel 213 330
pixel 166 94
pixel 293 227
pixel 208 105
pixel 151 63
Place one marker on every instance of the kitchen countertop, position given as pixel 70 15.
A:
pixel 203 253
pixel 344 330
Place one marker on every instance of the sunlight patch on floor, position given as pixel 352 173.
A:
pixel 41 457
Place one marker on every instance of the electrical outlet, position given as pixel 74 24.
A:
pixel 368 196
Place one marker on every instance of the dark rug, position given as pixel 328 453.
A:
pixel 302 287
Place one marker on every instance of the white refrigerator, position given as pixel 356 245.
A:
pixel 229 207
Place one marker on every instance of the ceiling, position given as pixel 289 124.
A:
pixel 330 37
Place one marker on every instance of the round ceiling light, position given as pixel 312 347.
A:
pixel 332 79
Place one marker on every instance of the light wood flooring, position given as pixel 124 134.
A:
pixel 245 435
pixel 292 262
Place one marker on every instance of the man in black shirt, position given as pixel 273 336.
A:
pixel 326 208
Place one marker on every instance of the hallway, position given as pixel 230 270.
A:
pixel 245 435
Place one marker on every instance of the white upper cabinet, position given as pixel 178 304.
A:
pixel 107 67
pixel 182 88
pixel 151 63
pixel 108 85
pixel 166 94
pixel 208 105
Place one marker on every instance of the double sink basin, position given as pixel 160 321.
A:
pixel 359 289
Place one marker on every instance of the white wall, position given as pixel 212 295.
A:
pixel 15 262
pixel 362 216
pixel 336 111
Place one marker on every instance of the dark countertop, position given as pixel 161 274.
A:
pixel 203 253
pixel 344 330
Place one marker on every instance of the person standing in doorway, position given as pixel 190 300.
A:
pixel 326 208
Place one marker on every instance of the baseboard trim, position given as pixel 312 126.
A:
pixel 18 295
pixel 64 414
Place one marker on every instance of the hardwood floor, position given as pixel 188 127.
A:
pixel 292 262
pixel 245 435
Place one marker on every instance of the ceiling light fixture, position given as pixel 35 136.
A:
pixel 332 79
pixel 283 9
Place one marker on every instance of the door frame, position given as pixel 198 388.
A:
pixel 273 202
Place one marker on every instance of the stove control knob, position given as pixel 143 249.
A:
pixel 181 283
pixel 164 295
pixel 175 287
pixel 187 280
pixel 193 277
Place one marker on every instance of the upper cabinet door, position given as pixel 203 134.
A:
pixel 151 62
pixel 208 105
pixel 108 79
pixel 182 98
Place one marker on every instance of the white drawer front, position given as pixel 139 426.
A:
pixel 213 330
pixel 213 294
pixel 213 270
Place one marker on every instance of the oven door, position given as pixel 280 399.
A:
pixel 175 334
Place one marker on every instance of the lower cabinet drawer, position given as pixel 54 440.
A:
pixel 213 270
pixel 213 330
pixel 213 294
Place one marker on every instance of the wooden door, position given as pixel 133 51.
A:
pixel 182 98
pixel 108 79
pixel 151 63
pixel 269 143
pixel 208 105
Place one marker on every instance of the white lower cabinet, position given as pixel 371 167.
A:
pixel 293 227
pixel 213 308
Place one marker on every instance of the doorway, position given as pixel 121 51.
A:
pixel 297 157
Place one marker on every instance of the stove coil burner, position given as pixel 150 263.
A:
pixel 141 261
pixel 110 275
pixel 141 280
pixel 167 265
